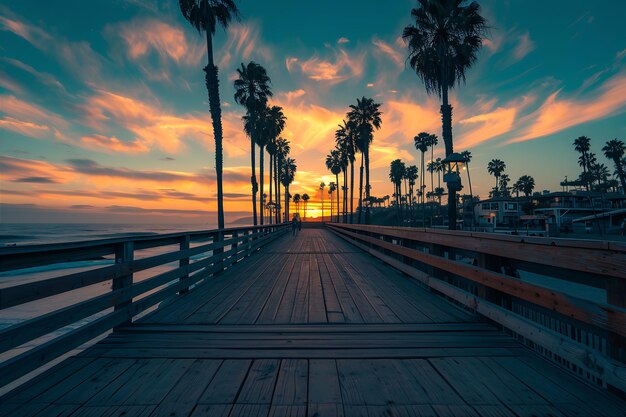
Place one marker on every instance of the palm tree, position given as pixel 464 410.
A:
pixel 432 142
pixel 252 91
pixel 296 201
pixel 205 16
pixel 432 168
pixel 366 117
pixel 614 149
pixel 443 43
pixel 282 151
pixel 305 198
pixel 421 142
pixel 582 145
pixel 411 176
pixel 496 167
pixel 274 125
pixel 331 189
pixel 334 165
pixel 504 185
pixel 322 186
pixel 397 171
pixel 287 176
pixel 526 184
pixel 344 158
pixel 346 139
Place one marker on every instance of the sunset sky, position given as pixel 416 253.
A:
pixel 104 114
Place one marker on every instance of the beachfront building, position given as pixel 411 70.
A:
pixel 565 209
pixel 497 213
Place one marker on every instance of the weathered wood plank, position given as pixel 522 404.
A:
pixel 258 387
pixel 292 384
pixel 224 386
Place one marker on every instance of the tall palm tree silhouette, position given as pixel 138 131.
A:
pixel 287 176
pixel 397 170
pixel 496 167
pixel 252 91
pixel 346 139
pixel 467 157
pixel 344 158
pixel 282 151
pixel 443 43
pixel 322 186
pixel 421 142
pixel 305 199
pixel 614 150
pixel 411 176
pixel 296 201
pixel 334 165
pixel 366 117
pixel 582 145
pixel 273 123
pixel 331 189
pixel 205 16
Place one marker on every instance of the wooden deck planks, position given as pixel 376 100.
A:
pixel 309 326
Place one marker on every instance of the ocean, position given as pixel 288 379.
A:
pixel 12 234
pixel 17 234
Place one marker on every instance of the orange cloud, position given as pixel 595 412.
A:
pixel 243 43
pixel 113 144
pixel 490 125
pixel 342 68
pixel 150 124
pixel 84 181
pixel 169 42
pixel 556 115
pixel 390 52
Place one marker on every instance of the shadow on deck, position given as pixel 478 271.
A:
pixel 309 326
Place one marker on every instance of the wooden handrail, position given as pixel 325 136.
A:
pixel 488 287
pixel 226 247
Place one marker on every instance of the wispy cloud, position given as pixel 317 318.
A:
pixel 243 44
pixel 341 67
pixel 524 46
pixel 557 114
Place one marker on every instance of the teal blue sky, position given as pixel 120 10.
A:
pixel 103 108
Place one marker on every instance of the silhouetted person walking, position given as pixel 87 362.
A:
pixel 294 225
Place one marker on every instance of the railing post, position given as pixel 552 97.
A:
pixel 183 262
pixel 124 253
pixel 218 252
pixel 616 295
pixel 235 235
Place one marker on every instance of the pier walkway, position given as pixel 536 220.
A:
pixel 310 326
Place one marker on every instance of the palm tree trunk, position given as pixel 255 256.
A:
pixel 253 181
pixel 620 173
pixel 360 189
pixel 345 196
pixel 352 192
pixel 270 217
pixel 367 183
pixel 322 193
pixel 422 188
pixel 446 117
pixel 277 179
pixel 432 182
pixel 469 180
pixel 261 175
pixel 338 192
pixel 212 85
pixel 286 203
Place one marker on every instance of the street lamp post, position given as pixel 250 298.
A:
pixel 453 164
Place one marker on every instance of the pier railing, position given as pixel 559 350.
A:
pixel 517 282
pixel 185 260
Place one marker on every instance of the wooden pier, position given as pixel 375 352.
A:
pixel 337 321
